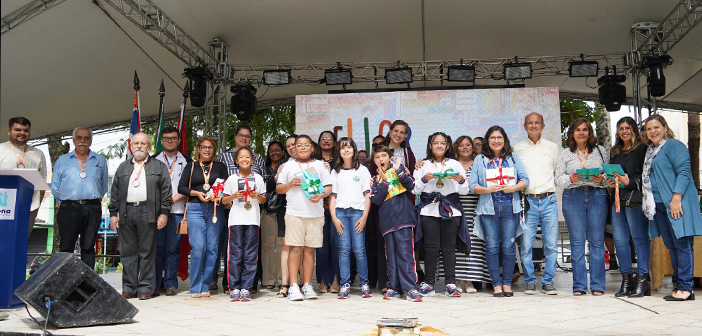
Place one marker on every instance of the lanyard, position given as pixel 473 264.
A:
pixel 207 176
pixel 170 165
pixel 443 162
pixel 498 164
pixel 299 165
pixel 20 160
pixel 135 183
pixel 582 162
pixel 82 165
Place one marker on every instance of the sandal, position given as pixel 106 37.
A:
pixel 283 293
pixel 269 287
pixel 195 295
pixel 205 294
pixel 579 293
pixel 597 293
pixel 214 286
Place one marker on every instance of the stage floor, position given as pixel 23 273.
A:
pixel 471 314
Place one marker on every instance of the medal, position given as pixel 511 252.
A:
pixel 171 176
pixel 20 160
pixel 170 165
pixel 247 206
pixel 82 165
pixel 83 174
pixel 135 183
pixel 206 186
pixel 20 165
pixel 439 184
pixel 214 219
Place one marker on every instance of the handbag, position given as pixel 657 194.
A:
pixel 183 224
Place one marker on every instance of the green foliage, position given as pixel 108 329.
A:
pixel 572 109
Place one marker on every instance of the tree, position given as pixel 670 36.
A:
pixel 56 149
pixel 693 141
pixel 572 109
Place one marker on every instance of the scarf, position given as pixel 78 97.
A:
pixel 649 205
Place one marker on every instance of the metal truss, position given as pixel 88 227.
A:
pixel 26 13
pixel 160 27
pixel 374 72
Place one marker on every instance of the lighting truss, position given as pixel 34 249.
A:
pixel 685 16
pixel 26 13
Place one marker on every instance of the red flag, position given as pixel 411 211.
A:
pixel 183 149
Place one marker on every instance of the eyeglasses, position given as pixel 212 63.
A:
pixel 438 144
pixel 362 157
pixel 497 138
pixel 169 139
pixel 303 146
pixel 207 148
pixel 326 139
pixel 244 136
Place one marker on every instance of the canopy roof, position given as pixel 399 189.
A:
pixel 72 65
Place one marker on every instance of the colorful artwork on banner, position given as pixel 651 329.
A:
pixel 362 116
pixel 8 197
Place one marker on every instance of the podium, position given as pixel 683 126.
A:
pixel 16 190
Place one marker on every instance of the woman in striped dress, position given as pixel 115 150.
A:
pixel 473 267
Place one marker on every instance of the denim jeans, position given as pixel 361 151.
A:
pixel 222 247
pixel 328 255
pixel 545 211
pixel 585 212
pixel 500 230
pixel 168 253
pixel 682 256
pixel 351 239
pixel 204 237
pixel 631 223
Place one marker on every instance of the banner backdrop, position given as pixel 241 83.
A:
pixel 362 116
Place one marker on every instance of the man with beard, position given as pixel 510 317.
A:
pixel 141 197
pixel 79 182
pixel 17 154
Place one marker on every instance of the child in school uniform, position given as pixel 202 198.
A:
pixel 397 220
pixel 305 182
pixel 245 190
pixel 349 205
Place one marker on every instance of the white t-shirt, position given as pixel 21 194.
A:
pixel 298 204
pixel 238 215
pixel 177 164
pixel 450 186
pixel 350 187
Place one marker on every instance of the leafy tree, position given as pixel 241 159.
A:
pixel 572 109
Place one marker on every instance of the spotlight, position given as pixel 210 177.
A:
pixel 517 70
pixel 612 94
pixel 656 79
pixel 338 77
pixel 583 69
pixel 461 73
pixel 276 77
pixel 398 76
pixel 198 76
pixel 243 103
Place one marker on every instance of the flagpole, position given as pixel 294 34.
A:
pixel 161 123
pixel 181 120
pixel 135 126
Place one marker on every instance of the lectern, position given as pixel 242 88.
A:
pixel 16 189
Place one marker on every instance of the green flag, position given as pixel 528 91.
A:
pixel 161 121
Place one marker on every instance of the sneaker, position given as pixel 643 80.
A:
pixel 451 291
pixel 549 290
pixel 426 289
pixel 234 295
pixel 365 291
pixel 344 292
pixel 309 292
pixel 244 295
pixel 530 289
pixel 294 293
pixel 389 294
pixel 414 296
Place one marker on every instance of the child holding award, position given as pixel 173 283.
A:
pixel 305 182
pixel 397 220
pixel 242 190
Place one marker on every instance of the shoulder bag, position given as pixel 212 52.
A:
pixel 183 224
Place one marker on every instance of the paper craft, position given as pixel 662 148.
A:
pixel 610 169
pixel 500 176
pixel 242 183
pixel 446 174
pixel 588 172
pixel 311 183
pixel 395 187
pixel 217 190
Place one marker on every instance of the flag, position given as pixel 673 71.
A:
pixel 183 149
pixel 161 122
pixel 135 126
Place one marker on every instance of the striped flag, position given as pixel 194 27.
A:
pixel 135 126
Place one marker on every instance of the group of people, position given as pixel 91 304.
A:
pixel 351 213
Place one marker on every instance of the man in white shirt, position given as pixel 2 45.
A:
pixel 17 154
pixel 539 157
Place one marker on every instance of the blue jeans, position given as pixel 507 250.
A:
pixel 585 212
pixel 204 237
pixel 328 255
pixel 500 230
pixel 222 252
pixel 631 223
pixel 682 256
pixel 168 253
pixel 545 211
pixel 351 239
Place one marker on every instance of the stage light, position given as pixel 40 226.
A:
pixel 243 102
pixel 461 73
pixel 515 71
pixel 583 69
pixel 656 79
pixel 338 77
pixel 276 77
pixel 612 94
pixel 198 76
pixel 398 75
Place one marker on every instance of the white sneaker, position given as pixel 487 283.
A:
pixel 294 293
pixel 309 292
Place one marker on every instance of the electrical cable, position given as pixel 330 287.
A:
pixel 48 313
pixel 37 322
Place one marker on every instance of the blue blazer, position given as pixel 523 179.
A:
pixel 477 177
pixel 672 174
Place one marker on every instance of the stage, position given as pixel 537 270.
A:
pixel 471 314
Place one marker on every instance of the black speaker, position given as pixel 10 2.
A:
pixel 243 105
pixel 79 297
pixel 612 96
pixel 656 81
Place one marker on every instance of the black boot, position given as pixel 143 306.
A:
pixel 613 265
pixel 627 285
pixel 643 287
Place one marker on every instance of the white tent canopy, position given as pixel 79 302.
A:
pixel 72 65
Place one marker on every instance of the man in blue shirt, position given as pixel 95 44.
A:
pixel 79 182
